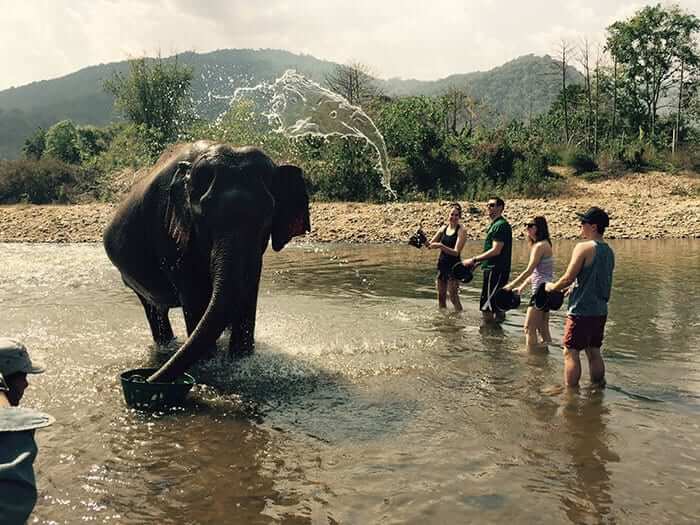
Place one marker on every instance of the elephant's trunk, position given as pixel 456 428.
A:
pixel 230 271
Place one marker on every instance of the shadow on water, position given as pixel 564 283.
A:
pixel 272 381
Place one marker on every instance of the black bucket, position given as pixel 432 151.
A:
pixel 153 396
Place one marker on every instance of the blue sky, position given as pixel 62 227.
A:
pixel 395 38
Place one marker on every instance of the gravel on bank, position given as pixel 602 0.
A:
pixel 641 206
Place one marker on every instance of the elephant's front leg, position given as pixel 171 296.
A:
pixel 243 326
pixel 158 322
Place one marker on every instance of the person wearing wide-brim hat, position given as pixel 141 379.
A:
pixel 590 272
pixel 539 270
pixel 17 425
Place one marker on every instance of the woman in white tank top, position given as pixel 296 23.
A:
pixel 540 269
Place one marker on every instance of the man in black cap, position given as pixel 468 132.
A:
pixel 17 446
pixel 590 271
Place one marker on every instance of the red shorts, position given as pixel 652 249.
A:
pixel 584 331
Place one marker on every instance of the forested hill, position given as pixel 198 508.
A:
pixel 522 87
pixel 526 85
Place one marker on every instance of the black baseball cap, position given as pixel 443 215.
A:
pixel 595 215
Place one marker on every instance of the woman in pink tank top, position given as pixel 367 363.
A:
pixel 540 269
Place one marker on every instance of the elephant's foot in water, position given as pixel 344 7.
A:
pixel 241 343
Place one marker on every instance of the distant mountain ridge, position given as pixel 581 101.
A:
pixel 524 86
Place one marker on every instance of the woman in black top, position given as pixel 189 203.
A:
pixel 449 240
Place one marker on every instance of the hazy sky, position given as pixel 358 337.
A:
pixel 424 39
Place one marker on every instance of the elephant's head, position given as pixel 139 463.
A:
pixel 224 205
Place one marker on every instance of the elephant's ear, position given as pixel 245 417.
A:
pixel 291 206
pixel 177 216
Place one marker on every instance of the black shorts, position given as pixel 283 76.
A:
pixel 444 268
pixel 493 281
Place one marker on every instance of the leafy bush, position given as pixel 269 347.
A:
pixel 496 157
pixel 531 178
pixel 92 141
pixel 555 154
pixel 45 181
pixel 687 158
pixel 35 144
pixel 62 142
pixel 349 174
pixel 131 146
pixel 633 155
pixel 578 159
pixel 611 162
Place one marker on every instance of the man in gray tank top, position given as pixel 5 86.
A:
pixel 590 271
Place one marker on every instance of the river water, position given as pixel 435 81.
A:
pixel 364 403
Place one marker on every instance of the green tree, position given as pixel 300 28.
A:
pixel 62 142
pixel 653 47
pixel 414 129
pixel 35 144
pixel 92 141
pixel 155 93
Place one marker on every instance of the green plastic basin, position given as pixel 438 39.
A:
pixel 153 396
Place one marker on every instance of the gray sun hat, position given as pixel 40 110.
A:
pixel 15 358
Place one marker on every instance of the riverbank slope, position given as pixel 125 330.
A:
pixel 642 206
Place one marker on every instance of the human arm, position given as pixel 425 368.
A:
pixel 522 286
pixel 435 241
pixel 578 260
pixel 494 251
pixel 457 250
pixel 536 254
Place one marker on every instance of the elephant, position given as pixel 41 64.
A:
pixel 192 234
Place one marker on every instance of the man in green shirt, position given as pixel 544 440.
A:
pixel 495 259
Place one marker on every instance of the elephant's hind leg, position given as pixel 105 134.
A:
pixel 158 321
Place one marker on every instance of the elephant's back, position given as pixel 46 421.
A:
pixel 182 151
pixel 147 201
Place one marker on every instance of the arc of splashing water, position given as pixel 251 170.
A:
pixel 296 106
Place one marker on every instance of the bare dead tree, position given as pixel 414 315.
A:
pixel 460 111
pixel 600 54
pixel 676 135
pixel 614 107
pixel 584 62
pixel 563 54
pixel 355 82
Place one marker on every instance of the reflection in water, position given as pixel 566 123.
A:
pixel 363 402
pixel 585 437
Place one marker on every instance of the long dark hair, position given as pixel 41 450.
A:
pixel 542 233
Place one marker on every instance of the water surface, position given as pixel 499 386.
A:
pixel 363 402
